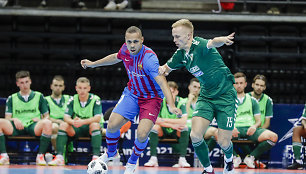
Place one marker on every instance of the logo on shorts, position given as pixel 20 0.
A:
pixel 195 112
pixel 151 114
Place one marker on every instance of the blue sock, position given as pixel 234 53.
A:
pixel 137 150
pixel 112 141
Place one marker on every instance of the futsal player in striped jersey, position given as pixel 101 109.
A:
pixel 142 96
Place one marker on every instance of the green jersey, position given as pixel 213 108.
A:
pixel 92 107
pixel 24 110
pixel 206 65
pixel 246 112
pixel 165 113
pixel 266 107
pixel 57 110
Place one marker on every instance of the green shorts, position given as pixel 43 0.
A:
pixel 26 131
pixel 82 131
pixel 222 108
pixel 168 134
pixel 243 133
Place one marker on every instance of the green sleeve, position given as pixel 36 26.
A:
pixel 255 107
pixel 176 61
pixel 43 105
pixel 269 108
pixel 97 110
pixel 69 109
pixel 9 105
pixel 304 112
pixel 161 107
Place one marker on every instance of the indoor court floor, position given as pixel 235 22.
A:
pixel 32 169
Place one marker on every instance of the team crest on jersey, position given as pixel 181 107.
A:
pixel 140 66
pixel 195 71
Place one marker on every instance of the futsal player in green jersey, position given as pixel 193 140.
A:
pixel 170 125
pixel 82 118
pixel 23 117
pixel 217 97
pixel 299 131
pixel 57 103
pixel 265 102
pixel 248 123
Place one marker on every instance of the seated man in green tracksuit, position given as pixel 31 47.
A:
pixel 82 118
pixel 248 123
pixel 169 125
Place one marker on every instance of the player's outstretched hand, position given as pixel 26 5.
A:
pixel 228 40
pixel 86 63
pixel 175 111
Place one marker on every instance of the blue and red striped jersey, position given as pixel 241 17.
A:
pixel 141 69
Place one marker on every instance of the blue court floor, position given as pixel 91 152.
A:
pixel 31 169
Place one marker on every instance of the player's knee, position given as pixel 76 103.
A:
pixel 274 137
pixel 94 126
pixel 195 137
pixel 223 142
pixel 142 136
pixel 63 126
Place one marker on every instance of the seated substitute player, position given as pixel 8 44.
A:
pixel 298 132
pixel 142 96
pixel 248 123
pixel 24 110
pixel 57 103
pixel 170 125
pixel 211 134
pixel 82 118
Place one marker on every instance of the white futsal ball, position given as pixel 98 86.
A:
pixel 97 167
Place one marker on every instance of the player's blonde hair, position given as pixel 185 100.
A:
pixel 83 80
pixel 183 22
pixel 172 84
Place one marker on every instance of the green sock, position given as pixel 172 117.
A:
pixel 2 143
pixel 211 143
pixel 183 143
pixel 228 152
pixel 297 150
pixel 96 140
pixel 44 143
pixel 235 153
pixel 153 143
pixel 61 142
pixel 262 147
pixel 246 149
pixel 201 150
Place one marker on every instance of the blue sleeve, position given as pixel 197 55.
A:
pixel 151 65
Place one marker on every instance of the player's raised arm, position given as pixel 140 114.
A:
pixel 108 60
pixel 220 41
pixel 164 70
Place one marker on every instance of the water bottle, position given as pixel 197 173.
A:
pixel 285 158
pixel 26 151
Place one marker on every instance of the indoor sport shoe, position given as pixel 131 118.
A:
pixel 237 161
pixel 260 165
pixel 249 161
pixel 295 166
pixel 104 157
pixel 4 160
pixel 40 160
pixel 183 163
pixel 57 161
pixel 204 172
pixel 228 167
pixel 122 5
pixel 110 6
pixel 153 162
pixel 130 168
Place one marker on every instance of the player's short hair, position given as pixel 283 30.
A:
pixel 58 78
pixel 22 74
pixel 240 74
pixel 194 80
pixel 83 80
pixel 183 22
pixel 172 84
pixel 134 29
pixel 261 77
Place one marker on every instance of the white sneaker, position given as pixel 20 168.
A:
pixel 183 163
pixel 152 162
pixel 249 161
pixel 104 157
pixel 4 160
pixel 40 160
pixel 57 161
pixel 130 168
pixel 237 161
pixel 228 167
pixel 48 157
pixel 110 6
pixel 122 5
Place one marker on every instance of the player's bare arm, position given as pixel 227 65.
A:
pixel 164 70
pixel 162 82
pixel 108 60
pixel 253 128
pixel 16 121
pixel 220 41
pixel 181 121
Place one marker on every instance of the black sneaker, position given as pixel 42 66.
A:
pixel 295 166
pixel 228 167
pixel 204 172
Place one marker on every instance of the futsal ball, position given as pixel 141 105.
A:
pixel 97 167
